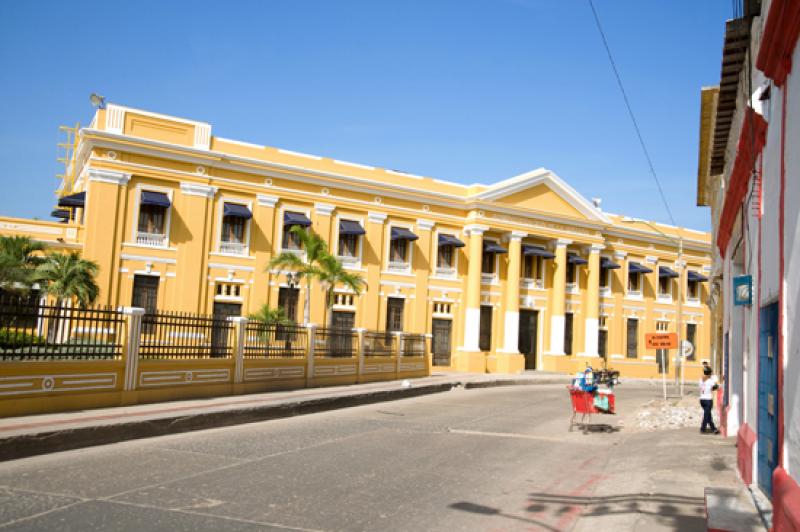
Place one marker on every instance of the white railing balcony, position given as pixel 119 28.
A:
pixel 665 298
pixel 232 248
pixel 397 266
pixel 151 239
pixel 445 271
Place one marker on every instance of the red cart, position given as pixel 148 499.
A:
pixel 583 403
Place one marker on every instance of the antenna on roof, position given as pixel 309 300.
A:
pixel 98 102
pixel 596 202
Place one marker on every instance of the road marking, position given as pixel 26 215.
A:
pixel 556 439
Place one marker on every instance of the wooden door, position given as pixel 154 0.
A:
pixel 441 342
pixel 528 324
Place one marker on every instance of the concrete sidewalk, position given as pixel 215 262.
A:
pixel 40 434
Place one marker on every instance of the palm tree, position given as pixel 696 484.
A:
pixel 67 276
pixel 315 250
pixel 19 257
pixel 333 273
pixel 270 316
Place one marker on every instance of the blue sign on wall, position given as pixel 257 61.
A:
pixel 743 290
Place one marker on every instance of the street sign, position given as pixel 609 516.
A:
pixel 661 340
pixel 743 290
pixel 687 348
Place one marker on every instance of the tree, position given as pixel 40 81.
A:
pixel 270 316
pixel 315 250
pixel 333 273
pixel 19 258
pixel 67 276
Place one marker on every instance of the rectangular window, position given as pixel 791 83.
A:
pixel 532 267
pixel 488 262
pixel 662 326
pixel 151 219
pixel 664 286
pixel 571 272
pixel 233 229
pixel 445 256
pixel 605 278
pixel 691 287
pixel 398 251
pixel 691 337
pixel 485 335
pixel 145 295
pixel 568 324
pixel 634 282
pixel 394 314
pixel 632 345
pixel 290 240
pixel 348 246
pixel 602 342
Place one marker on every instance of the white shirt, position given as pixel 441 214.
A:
pixel 706 388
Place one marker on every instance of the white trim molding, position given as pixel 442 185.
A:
pixel 197 189
pixel 266 201
pixel 324 209
pixel 100 175
pixel 377 217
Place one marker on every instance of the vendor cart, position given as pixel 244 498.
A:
pixel 583 402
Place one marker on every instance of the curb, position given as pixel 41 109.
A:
pixel 26 445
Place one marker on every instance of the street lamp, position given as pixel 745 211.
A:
pixel 679 242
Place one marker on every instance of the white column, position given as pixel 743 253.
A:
pixel 472 312
pixel 592 309
pixel 511 321
pixel 559 295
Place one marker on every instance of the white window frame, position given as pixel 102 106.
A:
pixel 491 278
pixel 140 187
pixel 350 263
pixel 247 225
pixel 399 267
pixel 661 296
pixel 279 236
pixel 633 294
pixel 694 301
pixel 446 273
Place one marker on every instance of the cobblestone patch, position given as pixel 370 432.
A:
pixel 674 414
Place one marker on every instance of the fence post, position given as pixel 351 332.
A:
pixel 239 330
pixel 360 332
pixel 400 345
pixel 312 340
pixel 133 322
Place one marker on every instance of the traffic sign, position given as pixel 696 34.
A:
pixel 687 348
pixel 661 340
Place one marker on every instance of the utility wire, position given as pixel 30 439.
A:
pixel 630 112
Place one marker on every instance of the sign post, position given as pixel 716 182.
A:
pixel 662 342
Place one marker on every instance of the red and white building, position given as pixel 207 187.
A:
pixel 749 174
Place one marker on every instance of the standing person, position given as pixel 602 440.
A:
pixel 707 386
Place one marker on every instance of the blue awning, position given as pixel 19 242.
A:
pixel 493 247
pixel 73 200
pixel 401 233
pixel 157 199
pixel 295 218
pixel 349 227
pixel 608 264
pixel 575 259
pixel 237 210
pixel 635 267
pixel 537 251
pixel 663 271
pixel 450 240
pixel 60 213
pixel 694 276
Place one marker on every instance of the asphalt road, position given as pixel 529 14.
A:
pixel 484 459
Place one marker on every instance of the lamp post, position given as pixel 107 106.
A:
pixel 679 321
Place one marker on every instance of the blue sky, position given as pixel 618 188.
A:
pixel 464 90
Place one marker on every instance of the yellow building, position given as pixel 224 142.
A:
pixel 521 274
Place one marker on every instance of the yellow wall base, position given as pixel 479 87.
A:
pixel 505 363
pixel 470 362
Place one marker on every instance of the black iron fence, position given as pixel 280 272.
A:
pixel 413 345
pixel 378 344
pixel 275 341
pixel 181 335
pixel 331 342
pixel 32 330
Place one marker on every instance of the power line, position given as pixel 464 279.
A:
pixel 630 112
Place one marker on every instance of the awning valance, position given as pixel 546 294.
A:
pixel 663 271
pixel 350 227
pixel 157 199
pixel 635 267
pixel 694 276
pixel 537 251
pixel 60 213
pixel 236 210
pixel 608 264
pixel 493 247
pixel 401 233
pixel 73 200
pixel 575 259
pixel 295 218
pixel 450 240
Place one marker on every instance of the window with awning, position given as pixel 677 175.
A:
pixel 635 271
pixel 234 224
pixel 692 284
pixel 450 240
pixel 401 233
pixel 399 247
pixel 295 218
pixel 490 251
pixel 153 207
pixel 635 267
pixel 663 271
pixel 291 219
pixel 156 199
pixel 350 232
pixel 60 213
pixel 445 256
pixel 696 277
pixel 529 250
pixel 608 264
pixel 236 210
pixel 73 200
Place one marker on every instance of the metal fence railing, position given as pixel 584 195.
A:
pixel 413 345
pixel 378 344
pixel 180 335
pixel 33 330
pixel 275 341
pixel 335 343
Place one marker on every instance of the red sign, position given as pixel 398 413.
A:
pixel 661 340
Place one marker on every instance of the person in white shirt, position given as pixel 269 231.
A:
pixel 708 384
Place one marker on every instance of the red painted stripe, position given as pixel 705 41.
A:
pixel 779 40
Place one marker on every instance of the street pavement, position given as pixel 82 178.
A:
pixel 468 459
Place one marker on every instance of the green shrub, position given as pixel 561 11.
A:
pixel 11 339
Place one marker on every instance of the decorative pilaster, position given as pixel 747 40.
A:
pixel 559 293
pixel 373 257
pixel 592 309
pixel 472 316
pixel 511 319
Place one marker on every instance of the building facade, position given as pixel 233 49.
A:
pixel 521 274
pixel 749 175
